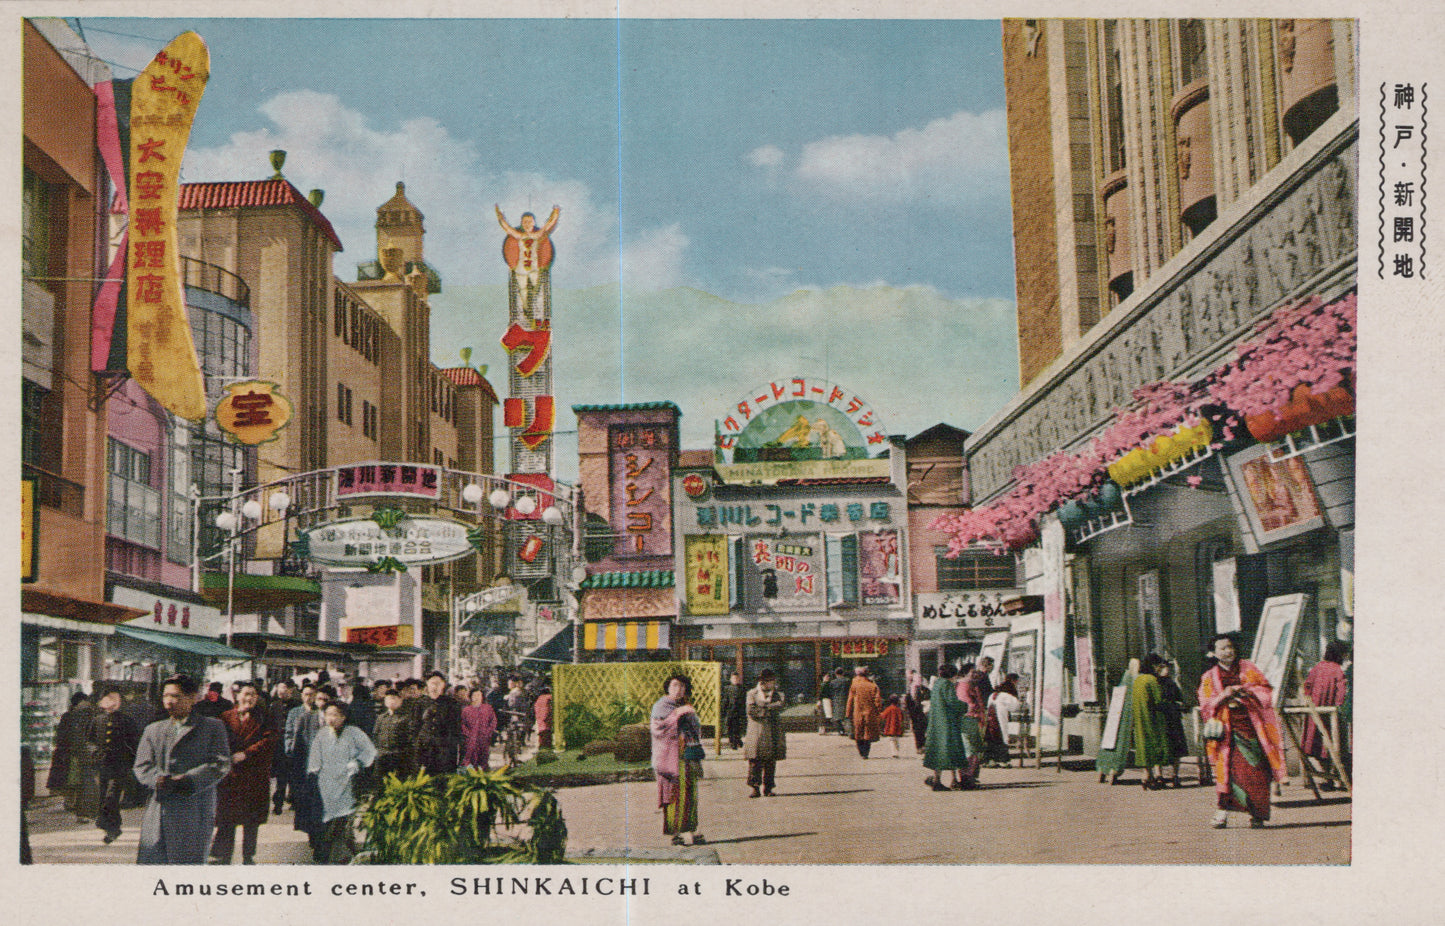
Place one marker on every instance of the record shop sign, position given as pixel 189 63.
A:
pixel 414 541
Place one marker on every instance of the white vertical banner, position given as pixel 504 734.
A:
pixel 1226 597
pixel 1051 674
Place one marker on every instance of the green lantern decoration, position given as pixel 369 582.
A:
pixel 387 518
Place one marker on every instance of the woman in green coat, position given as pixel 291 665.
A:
pixel 1151 741
pixel 943 744
pixel 1114 759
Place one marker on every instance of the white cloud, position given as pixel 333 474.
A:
pixel 767 156
pixel 333 147
pixel 654 260
pixel 947 161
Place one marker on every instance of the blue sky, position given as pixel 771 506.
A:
pixel 859 165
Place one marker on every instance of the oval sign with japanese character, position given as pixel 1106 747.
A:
pixel 415 541
pixel 253 412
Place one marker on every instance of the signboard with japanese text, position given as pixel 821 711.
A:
pixel 969 610
pixel 415 541
pixel 172 615
pixel 253 412
pixel 865 646
pixel 783 573
pixel 789 514
pixel 800 418
pixel 161 354
pixel 880 579
pixel 386 635
pixel 543 495
pixel 706 562
pixel 640 460
pixel 387 479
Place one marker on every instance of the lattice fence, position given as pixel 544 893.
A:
pixel 613 688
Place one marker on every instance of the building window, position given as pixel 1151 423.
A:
pixel 1193 64
pixel 343 404
pixel 36 208
pixel 842 564
pixel 1114 98
pixel 368 420
pixel 339 316
pixel 133 509
pixel 438 458
pixel 974 569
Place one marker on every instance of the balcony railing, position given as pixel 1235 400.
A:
pixel 218 280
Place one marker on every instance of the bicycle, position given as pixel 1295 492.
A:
pixel 514 738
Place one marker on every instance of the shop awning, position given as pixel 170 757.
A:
pixel 280 649
pixel 186 643
pixel 251 594
pixel 65 607
pixel 620 635
pixel 556 649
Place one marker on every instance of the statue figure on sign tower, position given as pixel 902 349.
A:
pixel 528 251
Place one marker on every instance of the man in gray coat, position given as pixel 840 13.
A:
pixel 181 758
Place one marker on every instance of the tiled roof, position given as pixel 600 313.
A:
pixel 242 193
pixel 634 407
pixel 648 578
pixel 468 376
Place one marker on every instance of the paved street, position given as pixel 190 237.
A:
pixel 834 807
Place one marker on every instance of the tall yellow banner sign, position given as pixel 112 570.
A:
pixel 706 561
pixel 162 356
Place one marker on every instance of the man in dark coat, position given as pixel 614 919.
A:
pixel 439 732
pixel 242 795
pixel 735 710
pixel 838 689
pixel 180 758
pixel 67 759
pixel 286 699
pixel 302 722
pixel 395 740
pixel 214 704
pixel 362 712
pixel 113 738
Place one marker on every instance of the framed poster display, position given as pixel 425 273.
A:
pixel 1279 499
pixel 1274 640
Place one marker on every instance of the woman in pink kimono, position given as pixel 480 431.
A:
pixel 1249 755
pixel 677 759
pixel 1326 687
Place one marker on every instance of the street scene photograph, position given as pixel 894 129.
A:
pixel 632 442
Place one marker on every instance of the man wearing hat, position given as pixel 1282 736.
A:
pixel 113 738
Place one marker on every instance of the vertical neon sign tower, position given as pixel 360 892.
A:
pixel 529 411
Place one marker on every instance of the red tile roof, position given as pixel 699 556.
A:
pixel 230 195
pixel 468 376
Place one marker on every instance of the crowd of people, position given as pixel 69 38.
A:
pixel 203 764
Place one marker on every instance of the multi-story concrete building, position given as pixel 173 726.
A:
pixel 1182 189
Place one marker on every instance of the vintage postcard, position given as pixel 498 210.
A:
pixel 679 463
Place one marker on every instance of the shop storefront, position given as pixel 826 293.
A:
pixel 800 663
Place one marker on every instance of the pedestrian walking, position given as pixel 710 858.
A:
pixel 338 754
pixel 67 774
pixel 824 711
pixel 242 796
pixel 214 704
pixel 838 692
pixel 765 744
pixel 864 705
pixel 362 711
pixel 1171 703
pixel 1246 755
pixel 302 722
pixel 1151 744
pixel 974 690
pixel 395 738
pixel 1326 686
pixel 307 795
pixel 943 746
pixel 181 759
pixel 1001 705
pixel 542 711
pixel 479 725
pixel 677 755
pixel 735 710
pixel 890 722
pixel 1111 761
pixel 113 738
pixel 439 728
pixel 284 699
pixel 913 702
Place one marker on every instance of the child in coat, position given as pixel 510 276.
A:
pixel 890 722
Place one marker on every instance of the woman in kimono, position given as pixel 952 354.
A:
pixel 479 726
pixel 943 744
pixel 1003 702
pixel 338 754
pixel 1151 743
pixel 1326 687
pixel 244 794
pixel 677 759
pixel 1249 755
pixel 1111 761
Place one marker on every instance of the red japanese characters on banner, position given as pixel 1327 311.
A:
pixel 387 479
pixel 868 646
pixel 388 635
pixel 639 459
pixel 797 426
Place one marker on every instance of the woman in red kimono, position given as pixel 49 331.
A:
pixel 1248 756
pixel 244 794
pixel 1326 687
